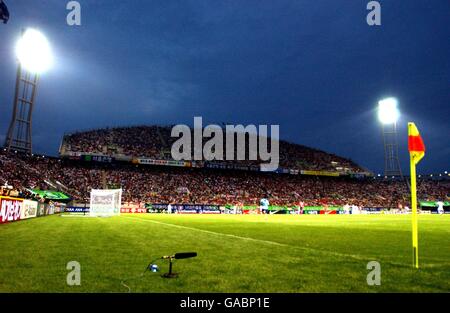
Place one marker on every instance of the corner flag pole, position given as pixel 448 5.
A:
pixel 415 233
pixel 416 149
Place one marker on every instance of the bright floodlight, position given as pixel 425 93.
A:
pixel 387 111
pixel 33 51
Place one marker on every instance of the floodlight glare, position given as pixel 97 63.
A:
pixel 33 51
pixel 387 111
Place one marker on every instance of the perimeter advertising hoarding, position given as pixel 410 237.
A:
pixel 29 209
pixel 184 208
pixel 60 207
pixel 133 210
pixel 162 162
pixel 231 166
pixel 320 173
pixel 432 206
pixel 71 155
pixel 10 209
pixel 49 209
pixel 86 156
pixel 133 207
pixel 156 208
pixel 97 158
pixel 210 209
pixel 76 209
pixel 372 210
pixel 41 209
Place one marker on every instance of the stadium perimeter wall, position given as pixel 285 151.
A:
pixel 141 208
pixel 15 209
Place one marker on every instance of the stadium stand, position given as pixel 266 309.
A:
pixel 156 141
pixel 165 184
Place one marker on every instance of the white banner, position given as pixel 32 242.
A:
pixel 29 209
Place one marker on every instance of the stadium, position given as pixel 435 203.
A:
pixel 114 211
pixel 324 210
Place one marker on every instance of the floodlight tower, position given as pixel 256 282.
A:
pixel 388 114
pixel 34 56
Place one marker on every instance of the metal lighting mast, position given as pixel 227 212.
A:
pixel 388 115
pixel 19 131
pixel 34 57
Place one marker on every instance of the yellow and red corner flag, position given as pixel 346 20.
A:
pixel 416 149
pixel 415 143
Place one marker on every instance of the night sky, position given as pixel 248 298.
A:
pixel 313 67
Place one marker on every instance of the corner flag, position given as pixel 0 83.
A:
pixel 416 149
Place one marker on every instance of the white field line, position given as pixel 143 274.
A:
pixel 356 257
pixel 209 231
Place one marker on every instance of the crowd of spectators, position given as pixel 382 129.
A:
pixel 19 175
pixel 155 142
pixel 139 141
pixel 164 184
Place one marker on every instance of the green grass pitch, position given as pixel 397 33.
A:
pixel 250 253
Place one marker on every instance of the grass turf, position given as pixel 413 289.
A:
pixel 252 253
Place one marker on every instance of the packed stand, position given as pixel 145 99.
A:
pixel 163 184
pixel 155 142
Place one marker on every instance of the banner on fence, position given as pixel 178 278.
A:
pixel 97 158
pixel 145 161
pixel 76 209
pixel 183 208
pixel 10 209
pixel 29 209
pixel 49 209
pixel 133 210
pixel 319 173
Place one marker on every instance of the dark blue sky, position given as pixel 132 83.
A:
pixel 312 66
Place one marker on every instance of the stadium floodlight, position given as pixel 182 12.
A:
pixel 388 112
pixel 388 115
pixel 34 57
pixel 33 51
